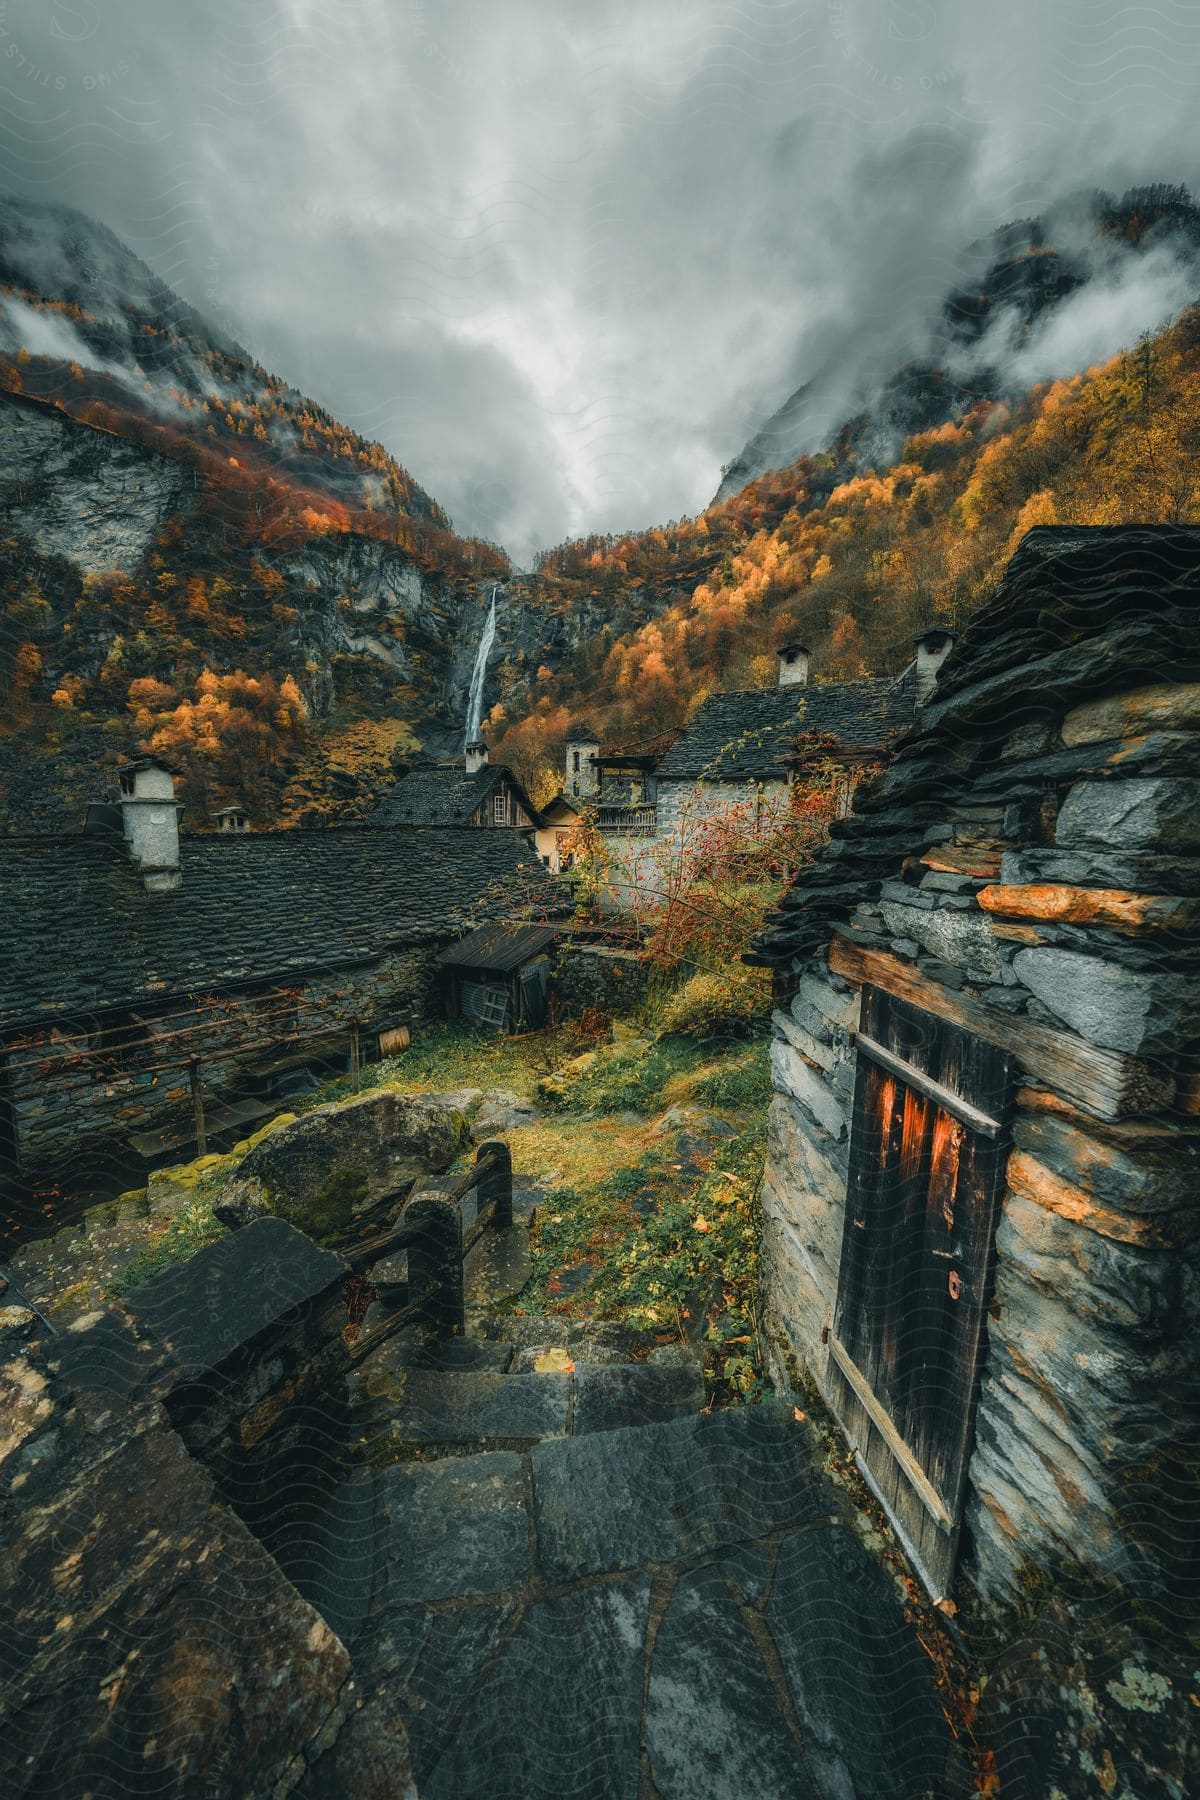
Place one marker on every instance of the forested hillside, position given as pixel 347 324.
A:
pixel 855 559
pixel 198 560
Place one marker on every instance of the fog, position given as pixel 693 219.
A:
pixel 563 259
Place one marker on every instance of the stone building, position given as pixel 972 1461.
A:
pixel 475 792
pixel 741 752
pixel 158 990
pixel 557 823
pixel 981 1200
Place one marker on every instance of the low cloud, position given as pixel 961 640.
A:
pixel 563 259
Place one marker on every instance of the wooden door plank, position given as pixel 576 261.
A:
pixel 908 1464
pixel 936 1091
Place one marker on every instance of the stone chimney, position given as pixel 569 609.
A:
pixel 793 665
pixel 477 756
pixel 582 781
pixel 933 647
pixel 233 819
pixel 150 818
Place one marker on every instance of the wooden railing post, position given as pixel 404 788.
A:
pixel 435 1264
pixel 495 1183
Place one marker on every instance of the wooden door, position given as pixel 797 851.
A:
pixel 927 1155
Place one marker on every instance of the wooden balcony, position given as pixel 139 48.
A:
pixel 631 821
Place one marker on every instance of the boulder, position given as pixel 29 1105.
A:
pixel 462 1100
pixel 236 1208
pixel 502 1111
pixel 325 1166
pixel 696 1133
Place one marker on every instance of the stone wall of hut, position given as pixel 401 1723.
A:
pixel 1029 865
pixel 84 1086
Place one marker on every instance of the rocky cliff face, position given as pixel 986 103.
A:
pixel 365 628
pixel 84 496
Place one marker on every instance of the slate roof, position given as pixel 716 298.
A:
pixel 1081 611
pixel 499 948
pixel 79 933
pixel 443 794
pixel 741 736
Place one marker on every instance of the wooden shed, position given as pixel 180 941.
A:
pixel 499 976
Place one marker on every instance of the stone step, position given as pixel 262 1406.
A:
pixel 496 1268
pixel 480 1408
pixel 588 1340
pixel 677 1609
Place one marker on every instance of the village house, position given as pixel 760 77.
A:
pixel 158 990
pixel 981 1198
pixel 557 824
pixel 742 751
pixel 474 792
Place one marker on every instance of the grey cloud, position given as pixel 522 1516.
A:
pixel 564 258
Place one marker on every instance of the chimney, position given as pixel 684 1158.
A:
pixel 150 818
pixel 582 778
pixel 933 647
pixel 233 819
pixel 477 755
pixel 793 665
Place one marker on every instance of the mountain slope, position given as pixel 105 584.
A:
pixel 1026 301
pixel 853 557
pixel 195 557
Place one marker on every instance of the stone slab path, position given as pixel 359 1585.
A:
pixel 575 1585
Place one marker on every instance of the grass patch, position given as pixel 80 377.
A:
pixel 633 1077
pixel 452 1055
pixel 742 1084
pixel 188 1232
pixel 674 1249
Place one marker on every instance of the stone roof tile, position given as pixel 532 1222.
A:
pixel 79 933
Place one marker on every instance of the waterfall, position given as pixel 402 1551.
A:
pixel 479 673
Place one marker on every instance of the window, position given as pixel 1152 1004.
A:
pixel 575 762
pixel 500 809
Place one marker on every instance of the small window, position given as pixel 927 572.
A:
pixel 575 761
pixel 500 809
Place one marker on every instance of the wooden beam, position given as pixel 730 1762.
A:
pixel 980 860
pixel 913 1077
pixel 1105 1082
pixel 911 1468
pixel 1113 907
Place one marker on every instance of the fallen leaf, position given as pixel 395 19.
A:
pixel 553 1362
pixel 945 1605
pixel 701 1224
pixel 797 1414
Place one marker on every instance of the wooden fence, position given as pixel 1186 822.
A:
pixel 429 1226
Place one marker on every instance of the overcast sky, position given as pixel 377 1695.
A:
pixel 564 256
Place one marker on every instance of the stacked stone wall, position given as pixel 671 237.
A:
pixel 66 1093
